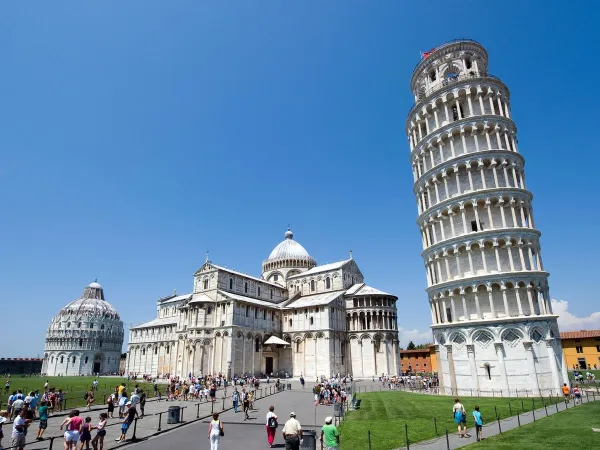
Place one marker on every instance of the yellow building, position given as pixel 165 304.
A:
pixel 581 349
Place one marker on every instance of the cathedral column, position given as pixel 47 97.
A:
pixel 553 366
pixel 440 370
pixel 473 366
pixel 531 364
pixel 451 369
pixel 500 355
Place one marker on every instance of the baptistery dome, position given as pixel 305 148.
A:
pixel 85 337
pixel 287 258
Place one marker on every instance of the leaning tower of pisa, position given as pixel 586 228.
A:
pixel 492 319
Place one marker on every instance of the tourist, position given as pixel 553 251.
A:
pixel 2 420
pixel 566 392
pixel 43 415
pixel 235 397
pixel 460 417
pixel 20 424
pixel 246 404
pixel 302 381
pixel 478 423
pixel 330 437
pixel 271 425
pixel 111 406
pixel 99 438
pixel 142 402
pixel 17 404
pixel 128 419
pixel 58 401
pixel 89 397
pixel 86 433
pixel 122 405
pixel 292 433
pixel 72 426
pixel 215 431
pixel 577 394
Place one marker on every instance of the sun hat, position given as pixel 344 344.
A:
pixel 292 414
pixel 328 419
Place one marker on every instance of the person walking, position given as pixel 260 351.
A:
pixel 292 433
pixel 566 392
pixel 43 413
pixel 271 425
pixel 460 417
pixel 72 426
pixel 478 423
pixel 98 440
pixel 20 423
pixel 330 437
pixel 577 394
pixel 215 431
pixel 236 400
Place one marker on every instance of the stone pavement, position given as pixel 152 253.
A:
pixel 491 428
pixel 150 424
pixel 250 434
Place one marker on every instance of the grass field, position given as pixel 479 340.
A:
pixel 583 372
pixel 561 431
pixel 385 414
pixel 73 387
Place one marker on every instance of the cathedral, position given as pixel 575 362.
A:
pixel 297 318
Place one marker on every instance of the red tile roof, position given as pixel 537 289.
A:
pixel 416 350
pixel 582 334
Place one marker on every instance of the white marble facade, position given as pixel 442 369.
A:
pixel 85 337
pixel 488 292
pixel 331 319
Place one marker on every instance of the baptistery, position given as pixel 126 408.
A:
pixel 85 337
pixel 492 320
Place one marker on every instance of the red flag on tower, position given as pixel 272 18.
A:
pixel 426 54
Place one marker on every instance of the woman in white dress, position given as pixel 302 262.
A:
pixel 215 431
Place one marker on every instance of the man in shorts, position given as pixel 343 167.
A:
pixel 128 420
pixel 566 392
pixel 43 413
pixel 17 440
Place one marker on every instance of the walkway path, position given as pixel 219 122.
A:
pixel 492 428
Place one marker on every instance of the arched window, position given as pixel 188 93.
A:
pixel 91 325
pixel 247 310
pixel 209 310
pixel 156 350
pixel 143 351
pixel 312 285
pixel 81 342
pixel 74 359
pixel 290 323
pixel 86 360
pixel 79 325
pixel 312 321
pixel 257 345
pixel 271 294
pixel 61 359
pixel 230 283
pixel 259 291
pixel 100 344
pixel 205 284
pixel 275 277
pixel 256 313
pixel 68 324
pixel 245 287
pixel 327 283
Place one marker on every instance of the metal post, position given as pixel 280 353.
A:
pixel 369 438
pixel 198 411
pixel 181 413
pixel 499 427
pixel 556 404
pixel 518 418
pixel 447 439
pixel 134 437
pixel 522 406
pixel 496 411
pixel 223 403
pixel 159 420
pixel 212 407
pixel 406 432
pixel 510 409
pixel 533 412
pixel 51 443
pixel 435 425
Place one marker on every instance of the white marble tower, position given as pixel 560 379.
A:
pixel 492 319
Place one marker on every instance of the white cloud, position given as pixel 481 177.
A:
pixel 570 322
pixel 417 336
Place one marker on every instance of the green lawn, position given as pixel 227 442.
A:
pixel 73 387
pixel 564 430
pixel 386 413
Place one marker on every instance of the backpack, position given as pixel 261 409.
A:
pixel 85 396
pixel 272 422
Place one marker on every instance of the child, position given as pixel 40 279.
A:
pixel 99 438
pixel 577 394
pixel 43 413
pixel 111 406
pixel 478 424
pixel 86 433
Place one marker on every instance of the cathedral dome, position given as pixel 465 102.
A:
pixel 287 258
pixel 91 303
pixel 288 249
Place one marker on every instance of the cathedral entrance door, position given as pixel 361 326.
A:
pixel 269 365
pixel 97 363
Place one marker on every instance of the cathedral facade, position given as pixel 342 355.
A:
pixel 329 321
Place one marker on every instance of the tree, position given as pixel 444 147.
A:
pixel 411 346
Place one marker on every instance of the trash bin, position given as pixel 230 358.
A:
pixel 289 386
pixel 338 410
pixel 309 440
pixel 173 414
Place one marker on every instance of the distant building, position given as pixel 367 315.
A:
pixel 20 366
pixel 581 349
pixel 416 361
pixel 332 321
pixel 85 337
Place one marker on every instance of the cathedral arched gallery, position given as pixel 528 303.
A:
pixel 331 322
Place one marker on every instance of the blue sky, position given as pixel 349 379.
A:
pixel 136 135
